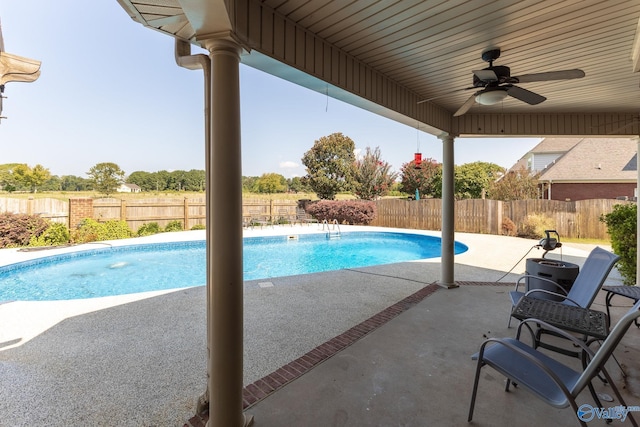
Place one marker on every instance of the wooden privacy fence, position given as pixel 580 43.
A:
pixel 577 219
pixel 52 209
pixel 189 211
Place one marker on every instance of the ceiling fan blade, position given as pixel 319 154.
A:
pixel 486 75
pixel 551 75
pixel 524 95
pixel 445 94
pixel 466 106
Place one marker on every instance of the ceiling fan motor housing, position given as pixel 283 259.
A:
pixel 495 75
pixel 490 55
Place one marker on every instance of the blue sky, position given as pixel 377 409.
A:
pixel 110 91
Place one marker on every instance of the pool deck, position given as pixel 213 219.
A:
pixel 360 347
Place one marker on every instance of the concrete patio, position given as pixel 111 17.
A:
pixel 376 346
pixel 415 370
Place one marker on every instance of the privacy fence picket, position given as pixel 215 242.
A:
pixel 577 219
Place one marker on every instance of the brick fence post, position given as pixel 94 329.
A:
pixel 79 209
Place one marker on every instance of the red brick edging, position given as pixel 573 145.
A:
pixel 263 387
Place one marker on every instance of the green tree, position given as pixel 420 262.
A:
pixel 106 177
pixel 7 179
pixel 373 176
pixel 39 175
pixel 73 183
pixel 249 184
pixel 161 180
pixel 297 185
pixel 515 185
pixel 54 183
pixel 194 180
pixel 330 165
pixel 422 178
pixel 30 178
pixel 271 183
pixel 471 180
pixel 142 179
pixel 20 174
pixel 176 180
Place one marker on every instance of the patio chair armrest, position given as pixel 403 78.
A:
pixel 527 276
pixel 518 282
pixel 529 357
pixel 523 277
pixel 545 291
pixel 556 330
pixel 548 292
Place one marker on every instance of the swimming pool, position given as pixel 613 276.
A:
pixel 139 268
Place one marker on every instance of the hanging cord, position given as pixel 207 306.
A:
pixel 518 262
pixel 326 108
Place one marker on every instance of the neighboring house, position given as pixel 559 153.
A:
pixel 128 188
pixel 584 168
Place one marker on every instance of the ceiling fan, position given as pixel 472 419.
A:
pixel 496 83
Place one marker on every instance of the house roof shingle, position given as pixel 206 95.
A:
pixel 593 159
pixel 555 145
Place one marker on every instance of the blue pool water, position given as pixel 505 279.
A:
pixel 140 268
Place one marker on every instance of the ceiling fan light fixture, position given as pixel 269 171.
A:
pixel 491 97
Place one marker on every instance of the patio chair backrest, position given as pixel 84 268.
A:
pixel 606 349
pixel 591 277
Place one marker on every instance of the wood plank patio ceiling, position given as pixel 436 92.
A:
pixel 431 47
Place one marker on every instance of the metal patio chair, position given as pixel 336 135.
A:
pixel 548 379
pixel 304 218
pixel 626 291
pixel 590 279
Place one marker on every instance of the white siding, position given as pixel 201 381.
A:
pixel 541 161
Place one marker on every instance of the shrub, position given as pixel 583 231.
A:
pixel 87 231
pixel 149 228
pixel 114 229
pixel 534 225
pixel 344 211
pixel 508 227
pixel 91 230
pixel 622 228
pixel 18 229
pixel 56 234
pixel 174 226
pixel 198 227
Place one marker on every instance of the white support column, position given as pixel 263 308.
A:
pixel 224 238
pixel 448 212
